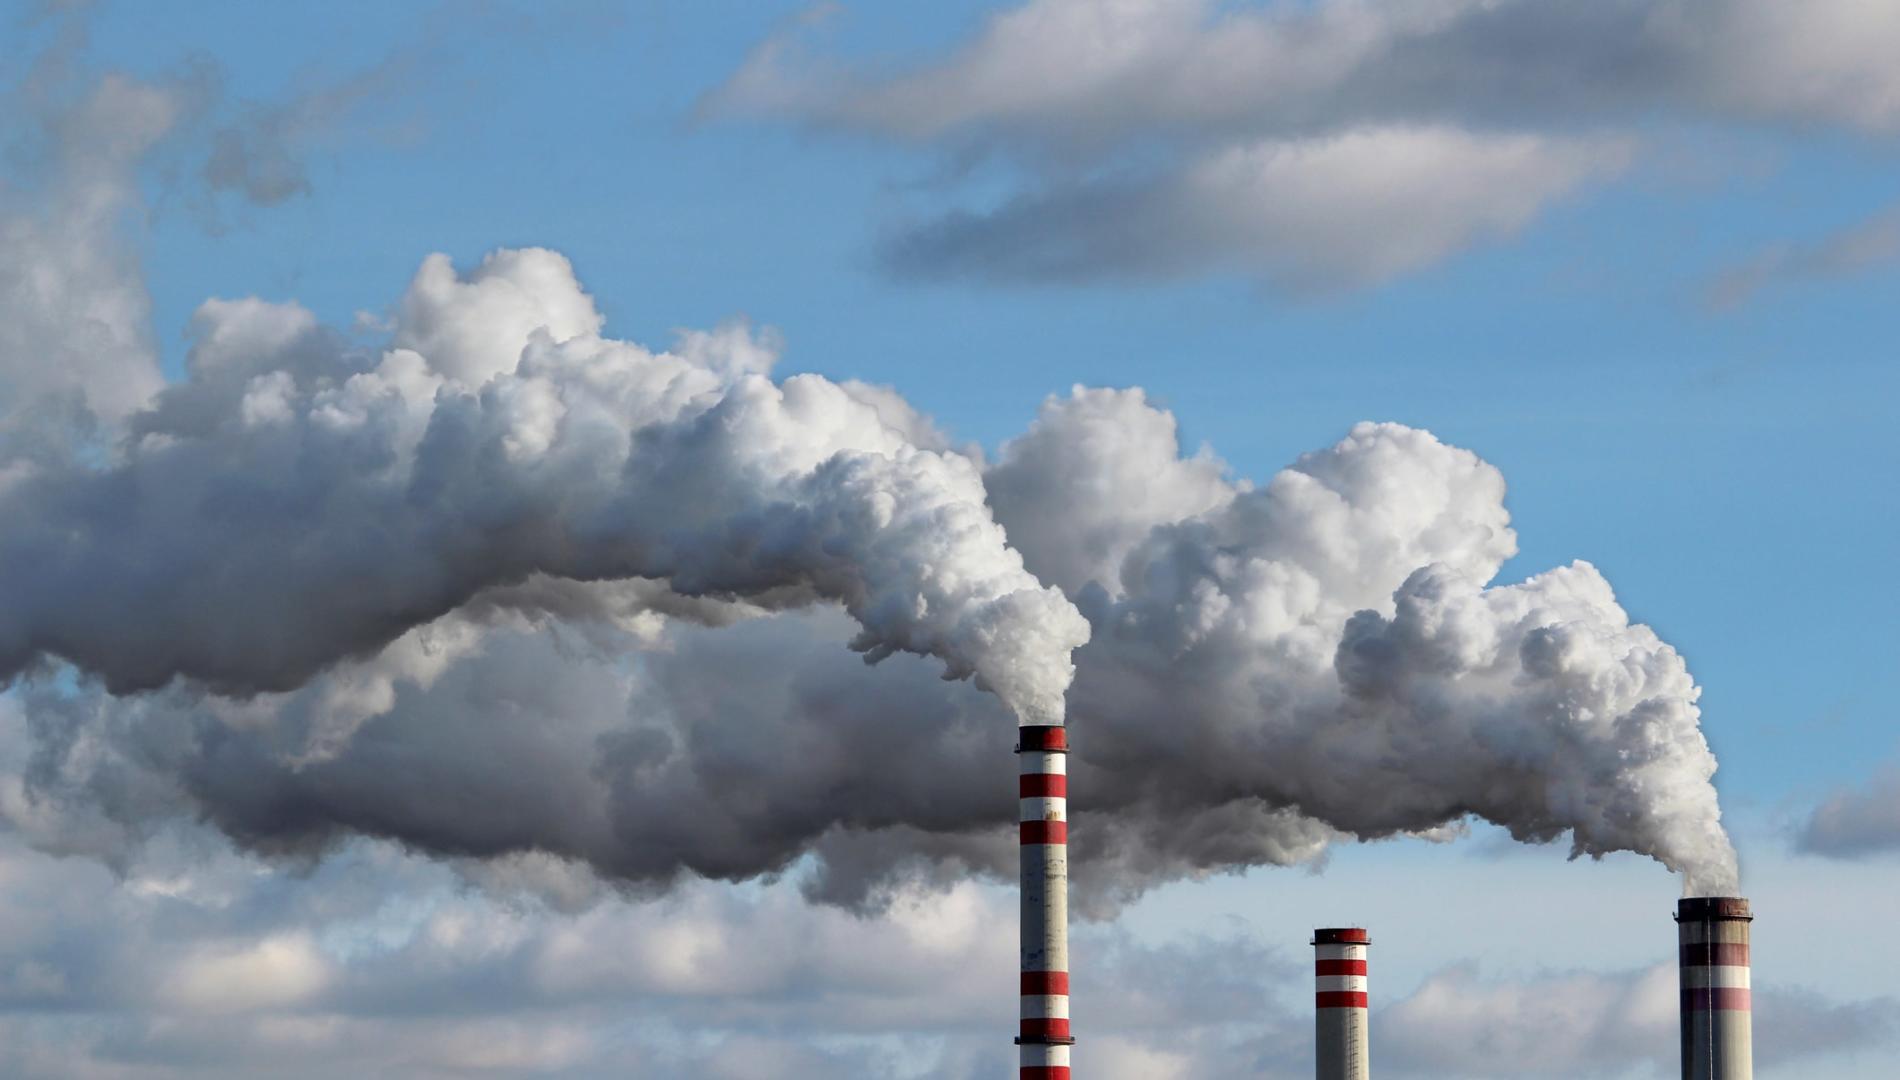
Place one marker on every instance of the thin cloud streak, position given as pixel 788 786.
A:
pixel 1862 247
pixel 1308 216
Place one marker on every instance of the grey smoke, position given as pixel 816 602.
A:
pixel 572 597
pixel 1330 643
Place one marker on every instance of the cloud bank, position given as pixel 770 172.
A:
pixel 380 963
pixel 1461 1023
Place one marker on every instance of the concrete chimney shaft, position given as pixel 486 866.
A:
pixel 1339 1026
pixel 1042 758
pixel 1717 1035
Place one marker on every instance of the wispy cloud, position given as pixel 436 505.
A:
pixel 1309 215
pixel 1857 821
pixel 1864 246
pixel 1078 95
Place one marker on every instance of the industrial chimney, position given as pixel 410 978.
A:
pixel 1042 757
pixel 1717 1040
pixel 1339 1029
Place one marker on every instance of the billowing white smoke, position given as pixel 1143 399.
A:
pixel 297 503
pixel 500 585
pixel 1328 643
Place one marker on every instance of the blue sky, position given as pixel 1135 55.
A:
pixel 1724 457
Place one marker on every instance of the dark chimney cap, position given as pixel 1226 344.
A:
pixel 1696 908
pixel 1342 935
pixel 1046 738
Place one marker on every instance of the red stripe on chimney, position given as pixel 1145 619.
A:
pixel 1340 999
pixel 1045 832
pixel 1040 983
pixel 1043 786
pixel 1714 998
pixel 1055 1027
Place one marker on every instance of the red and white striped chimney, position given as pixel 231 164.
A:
pixel 1717 1037
pixel 1042 759
pixel 1339 1026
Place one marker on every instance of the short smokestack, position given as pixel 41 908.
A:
pixel 1042 758
pixel 1339 1028
pixel 1717 1033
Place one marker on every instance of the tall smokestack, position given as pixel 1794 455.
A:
pixel 1339 1026
pixel 1042 757
pixel 1717 1036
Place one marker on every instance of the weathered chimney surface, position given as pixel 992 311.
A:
pixel 1717 1035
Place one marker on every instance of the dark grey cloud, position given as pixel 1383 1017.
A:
pixel 1856 822
pixel 1794 1023
pixel 1347 211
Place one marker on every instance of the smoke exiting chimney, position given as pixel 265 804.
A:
pixel 1717 1037
pixel 1339 1027
pixel 1044 791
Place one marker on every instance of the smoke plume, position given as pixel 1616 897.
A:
pixel 297 503
pixel 500 586
pixel 1330 644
